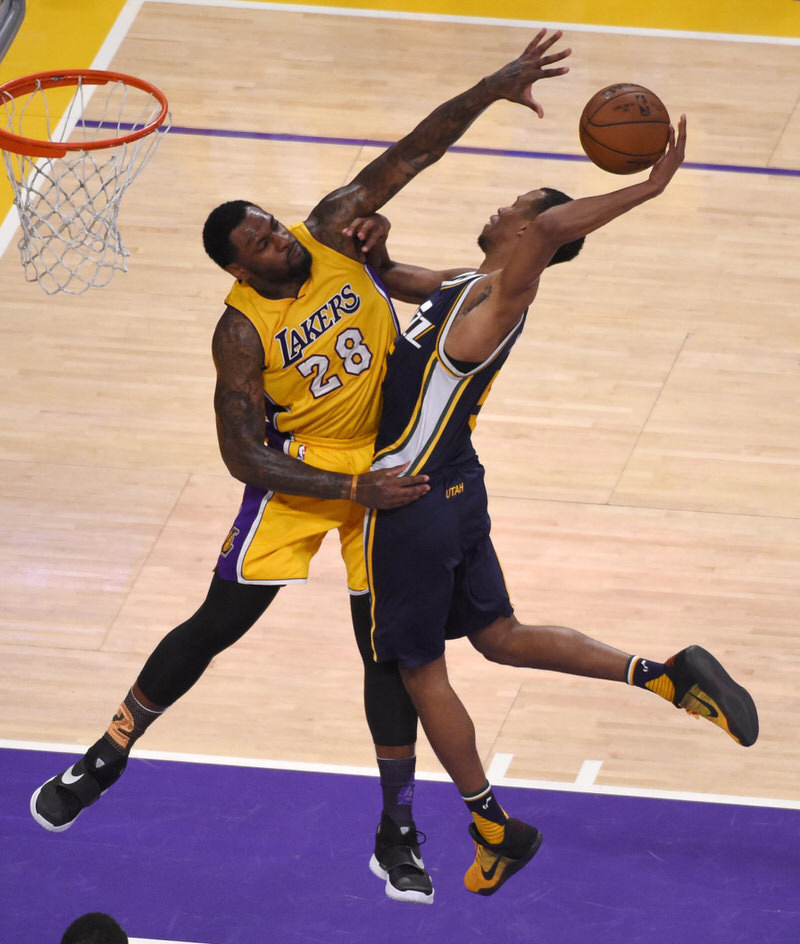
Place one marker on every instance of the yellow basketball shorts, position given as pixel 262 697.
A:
pixel 275 536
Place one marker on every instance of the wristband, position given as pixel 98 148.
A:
pixel 353 487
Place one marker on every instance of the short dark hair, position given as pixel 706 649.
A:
pixel 219 225
pixel 94 928
pixel 568 251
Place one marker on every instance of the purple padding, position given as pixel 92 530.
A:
pixel 231 855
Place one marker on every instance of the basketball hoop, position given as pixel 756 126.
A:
pixel 68 180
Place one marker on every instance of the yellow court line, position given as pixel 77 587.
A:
pixel 768 18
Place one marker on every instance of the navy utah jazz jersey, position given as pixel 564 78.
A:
pixel 432 570
pixel 429 403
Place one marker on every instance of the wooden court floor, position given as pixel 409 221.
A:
pixel 641 445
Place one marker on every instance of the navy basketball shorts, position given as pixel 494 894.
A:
pixel 432 569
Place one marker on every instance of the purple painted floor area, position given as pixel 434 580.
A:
pixel 229 855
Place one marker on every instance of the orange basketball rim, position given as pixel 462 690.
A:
pixel 41 82
pixel 69 159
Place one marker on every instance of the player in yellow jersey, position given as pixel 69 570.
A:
pixel 300 352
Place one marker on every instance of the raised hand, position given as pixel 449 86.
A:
pixel 513 81
pixel 664 168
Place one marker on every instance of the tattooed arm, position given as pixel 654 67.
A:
pixel 381 179
pixel 239 408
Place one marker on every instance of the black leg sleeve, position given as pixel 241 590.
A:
pixel 390 714
pixel 178 661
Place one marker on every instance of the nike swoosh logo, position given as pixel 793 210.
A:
pixel 68 778
pixel 490 874
pixel 712 711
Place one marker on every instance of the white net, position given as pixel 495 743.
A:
pixel 69 206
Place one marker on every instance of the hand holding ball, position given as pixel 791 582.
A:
pixel 624 128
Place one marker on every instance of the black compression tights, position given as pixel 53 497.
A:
pixel 391 716
pixel 229 610
pixel 178 661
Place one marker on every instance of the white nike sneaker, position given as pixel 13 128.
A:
pixel 397 861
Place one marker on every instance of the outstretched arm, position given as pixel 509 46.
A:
pixel 239 407
pixel 568 221
pixel 381 179
pixel 497 303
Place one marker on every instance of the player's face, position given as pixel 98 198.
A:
pixel 267 252
pixel 507 221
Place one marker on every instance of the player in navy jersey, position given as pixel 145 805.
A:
pixel 433 572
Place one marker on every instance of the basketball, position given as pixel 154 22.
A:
pixel 624 128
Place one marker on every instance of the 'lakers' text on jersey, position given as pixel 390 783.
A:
pixel 324 351
pixel 324 362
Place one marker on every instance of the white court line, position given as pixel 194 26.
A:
pixel 216 759
pixel 150 940
pixel 484 21
pixel 498 768
pixel 588 773
pixel 8 229
pixel 564 787
pixel 117 34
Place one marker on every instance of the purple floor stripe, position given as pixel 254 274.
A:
pixel 455 149
pixel 230 855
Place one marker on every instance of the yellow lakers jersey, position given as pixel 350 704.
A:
pixel 324 351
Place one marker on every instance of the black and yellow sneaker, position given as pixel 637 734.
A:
pixel 702 687
pixel 496 863
pixel 397 860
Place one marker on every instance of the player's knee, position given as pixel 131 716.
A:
pixel 496 641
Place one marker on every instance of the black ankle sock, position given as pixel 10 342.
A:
pixel 489 817
pixel 643 672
